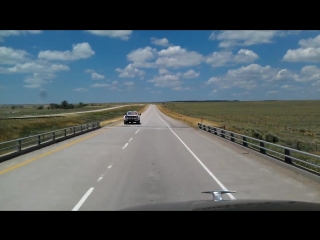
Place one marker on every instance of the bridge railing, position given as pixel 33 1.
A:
pixel 20 146
pixel 291 156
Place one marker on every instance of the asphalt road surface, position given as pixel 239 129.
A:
pixel 160 160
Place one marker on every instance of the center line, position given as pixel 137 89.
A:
pixel 110 166
pixel 76 208
pixel 137 131
pixel 130 139
pixel 99 179
pixel 125 146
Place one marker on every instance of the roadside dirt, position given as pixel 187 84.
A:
pixel 191 121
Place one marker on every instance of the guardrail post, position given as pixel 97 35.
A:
pixel 74 130
pixel 87 126
pixel 222 133
pixel 232 137
pixel 19 146
pixel 65 132
pixel 244 142
pixel 208 128
pixel 214 131
pixel 287 159
pixel 39 140
pixel 263 151
pixel 53 136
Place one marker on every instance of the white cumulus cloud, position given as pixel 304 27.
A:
pixel 96 76
pixel 161 42
pixel 230 38
pixel 122 34
pixel 130 72
pixel 172 57
pixel 227 57
pixel 10 56
pixel 309 51
pixel 191 74
pixel 79 51
pixel 7 33
pixel 253 75
pixel 163 71
pixel 166 81
pixel 176 57
pixel 34 67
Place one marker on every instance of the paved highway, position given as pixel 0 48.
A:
pixel 161 160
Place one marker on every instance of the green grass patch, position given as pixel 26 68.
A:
pixel 32 110
pixel 293 124
pixel 13 129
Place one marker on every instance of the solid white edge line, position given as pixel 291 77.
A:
pixel 76 208
pixel 125 146
pixel 208 171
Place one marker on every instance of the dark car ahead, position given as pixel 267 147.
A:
pixel 131 117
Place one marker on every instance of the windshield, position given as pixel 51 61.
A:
pixel 112 119
pixel 132 113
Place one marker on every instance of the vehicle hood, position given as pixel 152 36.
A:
pixel 233 205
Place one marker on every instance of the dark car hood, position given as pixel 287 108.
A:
pixel 233 205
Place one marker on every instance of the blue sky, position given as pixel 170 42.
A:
pixel 123 65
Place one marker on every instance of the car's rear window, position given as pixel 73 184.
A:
pixel 131 113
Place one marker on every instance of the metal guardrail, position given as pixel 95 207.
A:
pixel 20 146
pixel 289 155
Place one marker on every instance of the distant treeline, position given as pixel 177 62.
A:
pixel 64 105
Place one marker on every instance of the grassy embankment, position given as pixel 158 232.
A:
pixel 32 110
pixel 13 129
pixel 294 124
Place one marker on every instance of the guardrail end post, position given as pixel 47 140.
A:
pixel 232 137
pixel 244 142
pixel 286 158
pixel 262 150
